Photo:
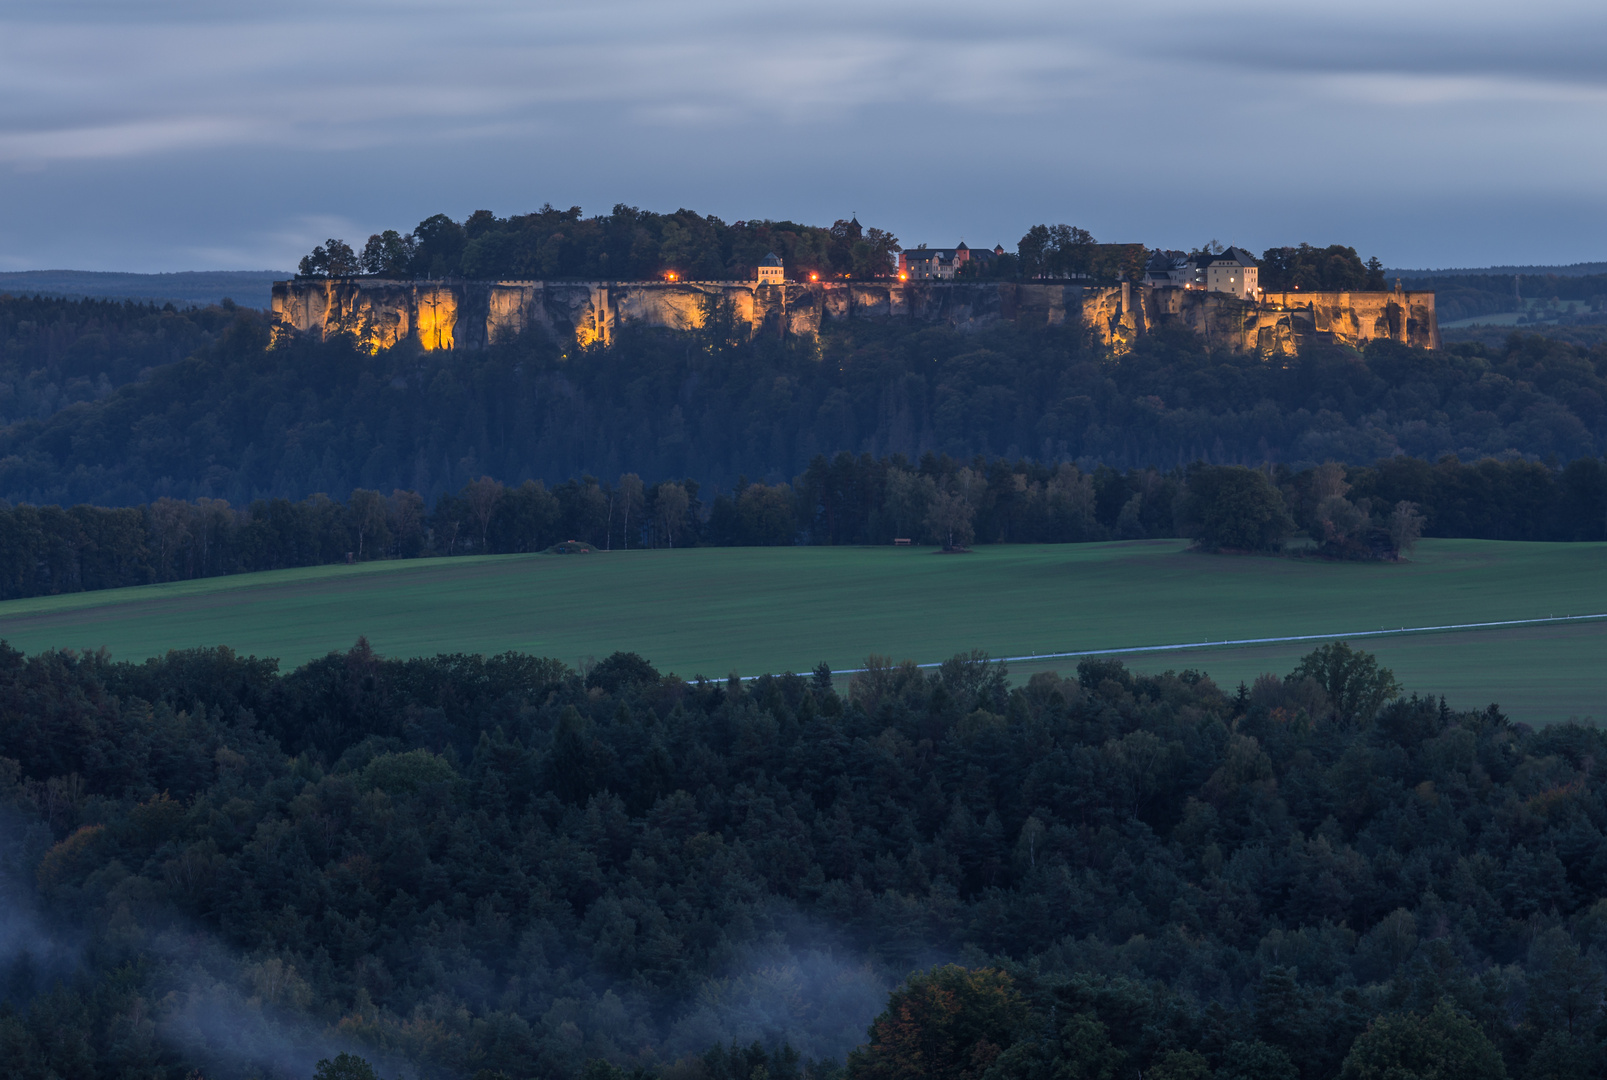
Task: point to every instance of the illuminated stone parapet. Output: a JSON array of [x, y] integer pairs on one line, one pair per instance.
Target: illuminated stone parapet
[[1355, 318], [1280, 323], [473, 314]]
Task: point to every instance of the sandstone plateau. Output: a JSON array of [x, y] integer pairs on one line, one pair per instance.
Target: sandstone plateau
[[473, 314]]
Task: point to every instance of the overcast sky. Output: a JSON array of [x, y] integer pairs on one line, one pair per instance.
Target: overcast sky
[[213, 134]]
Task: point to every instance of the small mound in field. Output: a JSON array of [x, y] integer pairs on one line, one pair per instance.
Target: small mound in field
[[952, 551], [570, 547]]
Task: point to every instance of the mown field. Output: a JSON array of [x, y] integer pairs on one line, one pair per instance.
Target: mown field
[[712, 611]]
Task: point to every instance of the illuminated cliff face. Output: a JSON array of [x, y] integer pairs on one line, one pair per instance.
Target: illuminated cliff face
[[471, 315], [437, 317], [512, 309]]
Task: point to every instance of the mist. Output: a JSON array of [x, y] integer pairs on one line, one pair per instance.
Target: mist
[[243, 1015]]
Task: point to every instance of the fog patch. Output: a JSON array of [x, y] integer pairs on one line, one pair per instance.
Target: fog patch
[[815, 1001], [244, 1019], [33, 953], [238, 1018]]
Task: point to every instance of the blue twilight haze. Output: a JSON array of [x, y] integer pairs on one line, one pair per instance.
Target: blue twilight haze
[[152, 136]]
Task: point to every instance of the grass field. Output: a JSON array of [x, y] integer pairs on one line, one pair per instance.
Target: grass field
[[712, 611]]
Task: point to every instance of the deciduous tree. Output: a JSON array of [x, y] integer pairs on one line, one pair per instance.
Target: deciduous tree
[[1355, 683], [1444, 1045], [950, 1023]]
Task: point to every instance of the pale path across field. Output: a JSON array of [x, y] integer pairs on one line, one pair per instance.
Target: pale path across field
[[714, 611], [1192, 646]]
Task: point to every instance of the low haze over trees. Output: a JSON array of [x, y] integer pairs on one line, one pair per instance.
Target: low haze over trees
[[505, 864]]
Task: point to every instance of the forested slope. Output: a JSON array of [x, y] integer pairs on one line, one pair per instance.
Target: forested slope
[[55, 352], [1569, 297], [239, 421], [504, 864]]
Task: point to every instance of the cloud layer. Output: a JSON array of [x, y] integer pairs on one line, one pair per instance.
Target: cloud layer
[[144, 135]]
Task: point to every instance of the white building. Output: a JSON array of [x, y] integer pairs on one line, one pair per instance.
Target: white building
[[771, 272], [1233, 271]]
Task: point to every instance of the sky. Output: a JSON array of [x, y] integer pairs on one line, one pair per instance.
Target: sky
[[161, 135]]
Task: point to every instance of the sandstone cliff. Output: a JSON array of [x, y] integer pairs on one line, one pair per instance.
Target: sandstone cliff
[[472, 314]]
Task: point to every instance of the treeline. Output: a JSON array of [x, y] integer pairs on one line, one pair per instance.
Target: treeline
[[1335, 268], [238, 421], [1059, 251], [55, 353], [626, 244], [462, 864], [48, 550], [629, 244], [1351, 512]]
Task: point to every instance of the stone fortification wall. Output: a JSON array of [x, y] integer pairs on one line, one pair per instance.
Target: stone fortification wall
[[1355, 318], [472, 314], [1280, 323]]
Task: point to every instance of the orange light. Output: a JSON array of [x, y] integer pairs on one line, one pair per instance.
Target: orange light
[[902, 276], [672, 276], [814, 277]]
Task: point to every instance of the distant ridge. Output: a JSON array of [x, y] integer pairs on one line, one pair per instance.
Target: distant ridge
[[248, 288], [1584, 269]]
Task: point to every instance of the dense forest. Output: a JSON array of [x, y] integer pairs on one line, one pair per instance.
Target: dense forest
[[1372, 511], [238, 421], [54, 352], [462, 866]]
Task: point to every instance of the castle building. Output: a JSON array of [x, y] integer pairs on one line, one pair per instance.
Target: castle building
[[1233, 271], [1170, 270], [771, 272], [941, 264]]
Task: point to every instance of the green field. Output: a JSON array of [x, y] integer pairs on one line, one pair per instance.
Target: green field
[[711, 611]]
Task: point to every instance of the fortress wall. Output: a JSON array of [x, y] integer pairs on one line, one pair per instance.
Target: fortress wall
[[473, 314], [1355, 318]]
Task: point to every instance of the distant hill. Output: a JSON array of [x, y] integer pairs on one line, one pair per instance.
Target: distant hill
[[1571, 270], [1514, 295], [248, 288]]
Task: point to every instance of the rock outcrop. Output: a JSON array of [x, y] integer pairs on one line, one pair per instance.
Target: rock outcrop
[[473, 314]]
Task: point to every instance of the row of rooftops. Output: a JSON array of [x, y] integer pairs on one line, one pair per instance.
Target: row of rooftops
[[940, 264], [1165, 269], [1179, 270], [917, 264]]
